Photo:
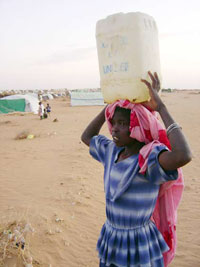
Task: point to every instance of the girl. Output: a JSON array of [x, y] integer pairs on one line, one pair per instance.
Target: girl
[[41, 110], [48, 108], [140, 175]]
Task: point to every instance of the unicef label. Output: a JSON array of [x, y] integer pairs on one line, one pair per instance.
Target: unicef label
[[122, 67]]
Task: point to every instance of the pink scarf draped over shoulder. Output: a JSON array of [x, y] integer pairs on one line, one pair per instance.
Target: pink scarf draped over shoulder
[[146, 128]]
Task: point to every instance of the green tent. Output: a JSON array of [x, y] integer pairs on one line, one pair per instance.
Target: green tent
[[7, 106]]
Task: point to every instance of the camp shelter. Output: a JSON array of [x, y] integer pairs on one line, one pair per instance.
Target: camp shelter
[[12, 105], [22, 103], [55, 95], [47, 96], [86, 98], [33, 94]]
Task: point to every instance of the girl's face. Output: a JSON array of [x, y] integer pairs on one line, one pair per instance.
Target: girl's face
[[120, 130]]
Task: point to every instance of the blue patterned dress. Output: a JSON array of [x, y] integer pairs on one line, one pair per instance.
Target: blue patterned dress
[[128, 237]]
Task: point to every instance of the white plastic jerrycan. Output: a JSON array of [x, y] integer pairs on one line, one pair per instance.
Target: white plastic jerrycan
[[128, 48]]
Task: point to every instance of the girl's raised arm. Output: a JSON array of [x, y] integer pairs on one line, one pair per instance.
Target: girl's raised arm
[[93, 128], [180, 153]]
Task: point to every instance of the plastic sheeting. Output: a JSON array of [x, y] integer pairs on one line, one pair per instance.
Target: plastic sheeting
[[31, 102], [13, 105]]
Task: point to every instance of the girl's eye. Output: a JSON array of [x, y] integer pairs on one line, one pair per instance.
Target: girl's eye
[[122, 123]]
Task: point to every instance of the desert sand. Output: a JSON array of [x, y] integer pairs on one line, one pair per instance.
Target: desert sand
[[51, 190]]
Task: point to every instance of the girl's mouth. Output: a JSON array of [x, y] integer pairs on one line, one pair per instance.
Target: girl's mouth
[[115, 139]]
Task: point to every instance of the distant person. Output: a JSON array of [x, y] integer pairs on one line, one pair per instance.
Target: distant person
[[45, 115], [39, 97], [40, 110], [48, 108]]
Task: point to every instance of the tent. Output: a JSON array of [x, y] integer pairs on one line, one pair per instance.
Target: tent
[[47, 96], [50, 96], [86, 98], [22, 103], [33, 94], [7, 106]]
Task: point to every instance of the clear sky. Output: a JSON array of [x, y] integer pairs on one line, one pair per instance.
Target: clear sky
[[48, 44]]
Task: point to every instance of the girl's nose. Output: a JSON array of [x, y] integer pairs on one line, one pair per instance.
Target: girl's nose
[[115, 128]]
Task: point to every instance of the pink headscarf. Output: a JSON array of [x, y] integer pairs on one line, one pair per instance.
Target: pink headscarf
[[145, 127]]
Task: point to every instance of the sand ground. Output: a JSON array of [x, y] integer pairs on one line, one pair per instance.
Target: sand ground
[[52, 184]]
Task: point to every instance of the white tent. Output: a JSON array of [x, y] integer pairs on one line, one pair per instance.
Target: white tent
[[47, 96], [86, 98], [33, 95], [31, 102]]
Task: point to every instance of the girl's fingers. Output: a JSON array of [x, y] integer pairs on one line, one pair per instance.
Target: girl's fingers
[[147, 83], [157, 81], [156, 76], [152, 77]]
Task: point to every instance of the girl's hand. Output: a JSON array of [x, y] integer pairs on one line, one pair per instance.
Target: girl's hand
[[155, 102]]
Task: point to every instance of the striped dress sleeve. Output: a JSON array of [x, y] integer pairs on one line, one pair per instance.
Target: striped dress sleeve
[[98, 146], [155, 173]]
